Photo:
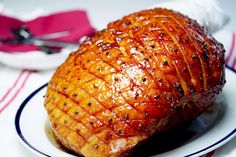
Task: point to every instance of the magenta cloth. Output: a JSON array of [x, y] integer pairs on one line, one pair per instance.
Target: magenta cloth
[[76, 22], [230, 58]]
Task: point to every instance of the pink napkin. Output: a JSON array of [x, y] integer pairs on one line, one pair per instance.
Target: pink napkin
[[227, 38], [76, 22], [230, 59]]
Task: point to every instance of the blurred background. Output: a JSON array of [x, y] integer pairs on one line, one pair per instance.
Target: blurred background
[[101, 12], [22, 73]]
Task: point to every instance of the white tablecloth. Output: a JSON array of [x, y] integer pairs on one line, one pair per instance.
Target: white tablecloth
[[17, 84]]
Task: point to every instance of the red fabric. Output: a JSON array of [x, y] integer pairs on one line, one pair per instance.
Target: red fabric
[[76, 22]]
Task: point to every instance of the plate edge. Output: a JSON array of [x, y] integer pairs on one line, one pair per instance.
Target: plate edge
[[18, 116]]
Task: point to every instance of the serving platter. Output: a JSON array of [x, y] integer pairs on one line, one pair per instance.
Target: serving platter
[[209, 131]]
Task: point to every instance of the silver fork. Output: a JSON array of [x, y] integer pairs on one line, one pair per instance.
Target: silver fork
[[23, 35]]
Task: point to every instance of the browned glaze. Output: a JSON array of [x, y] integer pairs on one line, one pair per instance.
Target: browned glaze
[[165, 141], [142, 74]]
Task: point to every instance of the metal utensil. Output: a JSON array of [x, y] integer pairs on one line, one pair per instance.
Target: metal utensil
[[23, 35]]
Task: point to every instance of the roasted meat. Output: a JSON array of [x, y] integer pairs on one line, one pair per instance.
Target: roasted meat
[[143, 74]]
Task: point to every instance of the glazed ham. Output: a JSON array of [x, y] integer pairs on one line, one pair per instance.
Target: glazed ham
[[143, 74]]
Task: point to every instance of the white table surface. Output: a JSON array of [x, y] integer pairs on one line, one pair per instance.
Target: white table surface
[[100, 12]]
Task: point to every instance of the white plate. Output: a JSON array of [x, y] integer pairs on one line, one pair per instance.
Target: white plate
[[211, 129], [35, 60]]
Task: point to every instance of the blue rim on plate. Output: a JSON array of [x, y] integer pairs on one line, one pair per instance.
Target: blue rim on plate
[[25, 102], [18, 115]]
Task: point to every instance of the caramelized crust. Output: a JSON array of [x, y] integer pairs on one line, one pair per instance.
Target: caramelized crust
[[142, 74]]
